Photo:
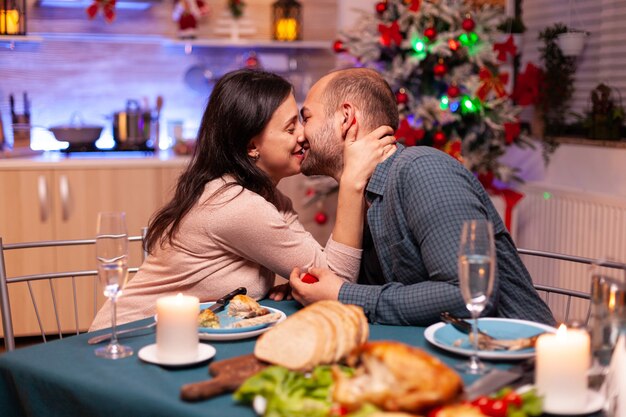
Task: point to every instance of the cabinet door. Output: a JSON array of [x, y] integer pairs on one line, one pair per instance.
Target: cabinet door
[[26, 215], [169, 178]]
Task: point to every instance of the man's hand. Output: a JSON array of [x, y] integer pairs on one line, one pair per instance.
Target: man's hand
[[280, 292], [327, 288]]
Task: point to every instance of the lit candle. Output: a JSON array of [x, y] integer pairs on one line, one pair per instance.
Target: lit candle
[[561, 371], [12, 19], [286, 29], [177, 328]]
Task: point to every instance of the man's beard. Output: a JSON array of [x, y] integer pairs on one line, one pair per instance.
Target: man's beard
[[328, 156]]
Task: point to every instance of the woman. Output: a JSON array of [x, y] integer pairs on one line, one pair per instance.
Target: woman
[[227, 225]]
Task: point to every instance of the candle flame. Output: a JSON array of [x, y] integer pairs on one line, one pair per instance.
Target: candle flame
[[612, 301], [179, 297], [562, 330]]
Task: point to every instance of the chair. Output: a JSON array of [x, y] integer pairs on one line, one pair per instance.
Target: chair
[[5, 307], [568, 295]]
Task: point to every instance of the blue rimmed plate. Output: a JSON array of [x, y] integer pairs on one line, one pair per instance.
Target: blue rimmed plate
[[225, 333], [445, 337]]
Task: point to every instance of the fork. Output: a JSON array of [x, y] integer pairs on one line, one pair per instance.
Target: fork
[[101, 338], [462, 325]]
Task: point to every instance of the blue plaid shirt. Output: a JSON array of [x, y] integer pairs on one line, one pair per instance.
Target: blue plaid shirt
[[420, 198]]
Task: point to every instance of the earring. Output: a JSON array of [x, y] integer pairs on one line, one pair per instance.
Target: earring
[[255, 156]]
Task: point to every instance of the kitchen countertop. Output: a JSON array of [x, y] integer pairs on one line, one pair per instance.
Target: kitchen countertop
[[94, 160]]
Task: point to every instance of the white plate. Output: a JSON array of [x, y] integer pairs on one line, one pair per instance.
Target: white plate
[[595, 403], [243, 334], [149, 354], [444, 335]]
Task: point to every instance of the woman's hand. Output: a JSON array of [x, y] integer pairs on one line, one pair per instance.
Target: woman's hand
[[280, 292], [327, 288], [362, 155]]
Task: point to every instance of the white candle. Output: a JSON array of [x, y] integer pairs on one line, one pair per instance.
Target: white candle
[[561, 371], [177, 328]]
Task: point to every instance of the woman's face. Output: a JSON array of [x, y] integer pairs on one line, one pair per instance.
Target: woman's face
[[280, 145]]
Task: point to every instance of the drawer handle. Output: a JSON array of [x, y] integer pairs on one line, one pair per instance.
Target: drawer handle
[[44, 203], [64, 191]]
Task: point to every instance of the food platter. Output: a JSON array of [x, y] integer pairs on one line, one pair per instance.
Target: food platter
[[224, 334]]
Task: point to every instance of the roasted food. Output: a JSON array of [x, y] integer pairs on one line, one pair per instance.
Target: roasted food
[[245, 307], [207, 318], [396, 377], [268, 318]]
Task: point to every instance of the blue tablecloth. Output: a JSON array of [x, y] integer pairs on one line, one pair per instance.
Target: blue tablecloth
[[65, 378]]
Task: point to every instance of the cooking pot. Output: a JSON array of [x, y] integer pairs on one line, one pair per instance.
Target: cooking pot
[[76, 132], [133, 127]]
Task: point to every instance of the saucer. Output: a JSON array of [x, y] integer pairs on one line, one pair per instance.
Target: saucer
[[149, 354], [595, 402]]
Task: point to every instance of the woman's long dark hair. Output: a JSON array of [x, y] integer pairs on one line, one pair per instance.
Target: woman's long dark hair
[[239, 108]]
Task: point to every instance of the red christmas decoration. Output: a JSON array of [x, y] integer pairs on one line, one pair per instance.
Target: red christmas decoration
[[310, 192], [107, 6], [320, 218], [511, 132], [430, 33], [468, 24], [381, 7], [454, 45], [453, 91], [440, 69], [188, 13], [490, 82], [390, 34], [402, 97], [414, 5], [439, 139], [528, 85], [410, 135], [453, 149], [338, 46], [507, 47]]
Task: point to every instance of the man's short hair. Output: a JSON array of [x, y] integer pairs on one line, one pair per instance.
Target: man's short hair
[[369, 91]]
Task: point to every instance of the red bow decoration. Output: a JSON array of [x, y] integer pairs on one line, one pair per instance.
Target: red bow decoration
[[415, 5], [528, 86], [453, 148], [511, 132], [390, 34], [511, 197], [491, 82], [108, 9], [505, 47], [410, 135]]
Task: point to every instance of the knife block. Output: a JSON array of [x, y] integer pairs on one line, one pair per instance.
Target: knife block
[[21, 132]]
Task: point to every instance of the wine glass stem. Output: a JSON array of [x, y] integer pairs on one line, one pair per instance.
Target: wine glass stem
[[474, 361], [113, 321]]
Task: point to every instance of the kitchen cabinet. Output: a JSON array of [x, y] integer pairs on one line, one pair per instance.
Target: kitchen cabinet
[[52, 201]]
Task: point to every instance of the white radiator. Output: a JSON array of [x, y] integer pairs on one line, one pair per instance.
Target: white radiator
[[573, 223]]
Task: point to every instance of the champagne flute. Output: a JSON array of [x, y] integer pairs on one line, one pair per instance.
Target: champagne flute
[[477, 264], [112, 256]]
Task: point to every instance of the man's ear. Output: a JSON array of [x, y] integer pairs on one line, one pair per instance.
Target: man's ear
[[348, 117]]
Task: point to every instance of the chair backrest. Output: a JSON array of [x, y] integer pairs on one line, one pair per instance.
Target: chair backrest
[[555, 296], [56, 303]]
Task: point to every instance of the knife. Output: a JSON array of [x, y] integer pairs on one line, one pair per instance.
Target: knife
[[499, 378], [219, 304]]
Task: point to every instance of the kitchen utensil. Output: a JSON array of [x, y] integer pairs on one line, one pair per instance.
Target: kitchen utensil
[[461, 324], [77, 132], [498, 378], [219, 304], [157, 129], [101, 338], [228, 375], [132, 128]]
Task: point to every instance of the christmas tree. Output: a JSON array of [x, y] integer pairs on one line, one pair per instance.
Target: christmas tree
[[443, 59]]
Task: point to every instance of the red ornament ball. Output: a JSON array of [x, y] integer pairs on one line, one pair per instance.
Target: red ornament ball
[[468, 24], [430, 33], [402, 97], [321, 217], [453, 91], [338, 46], [440, 69], [439, 138], [381, 7]]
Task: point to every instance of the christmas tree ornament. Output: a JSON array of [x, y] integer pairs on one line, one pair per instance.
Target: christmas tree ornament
[[511, 131], [414, 5], [408, 135], [402, 97], [454, 45], [453, 148], [338, 47], [108, 9], [440, 69], [321, 218], [430, 33], [389, 34], [381, 7], [453, 90], [439, 139], [468, 24], [504, 48], [490, 82], [310, 192]]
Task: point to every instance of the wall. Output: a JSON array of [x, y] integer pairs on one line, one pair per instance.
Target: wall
[[94, 67]]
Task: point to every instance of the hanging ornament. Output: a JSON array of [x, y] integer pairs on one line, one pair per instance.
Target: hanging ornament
[[511, 132], [507, 47], [320, 218], [453, 91], [430, 33], [454, 45], [339, 47], [440, 69], [414, 5], [107, 6], [453, 148], [252, 61], [390, 34], [468, 24], [381, 7], [489, 81], [402, 97], [439, 138]]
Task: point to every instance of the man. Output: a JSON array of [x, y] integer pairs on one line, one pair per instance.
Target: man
[[418, 200]]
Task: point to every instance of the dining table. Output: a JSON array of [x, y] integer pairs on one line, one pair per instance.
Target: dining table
[[65, 378]]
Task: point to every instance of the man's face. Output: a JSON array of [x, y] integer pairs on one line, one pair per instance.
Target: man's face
[[325, 154]]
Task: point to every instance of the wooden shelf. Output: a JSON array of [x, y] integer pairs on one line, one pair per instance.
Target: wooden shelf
[[249, 43]]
